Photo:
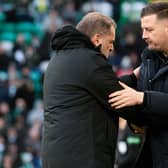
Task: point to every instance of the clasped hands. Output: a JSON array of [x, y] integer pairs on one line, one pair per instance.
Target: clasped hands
[[124, 98]]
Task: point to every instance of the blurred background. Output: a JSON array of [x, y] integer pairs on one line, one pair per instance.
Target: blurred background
[[26, 27]]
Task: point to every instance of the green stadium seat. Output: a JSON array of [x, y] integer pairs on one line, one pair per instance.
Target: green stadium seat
[[2, 17], [8, 36], [24, 27], [32, 28], [7, 27]]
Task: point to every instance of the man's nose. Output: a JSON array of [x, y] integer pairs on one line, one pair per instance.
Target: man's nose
[[112, 48], [144, 35]]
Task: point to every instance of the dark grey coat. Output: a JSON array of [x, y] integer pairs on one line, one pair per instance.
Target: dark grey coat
[[80, 128]]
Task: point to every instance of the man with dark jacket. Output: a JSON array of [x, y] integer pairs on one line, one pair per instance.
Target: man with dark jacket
[[80, 128], [153, 81]]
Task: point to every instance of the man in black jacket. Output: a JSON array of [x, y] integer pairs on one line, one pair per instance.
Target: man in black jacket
[[153, 81], [80, 128]]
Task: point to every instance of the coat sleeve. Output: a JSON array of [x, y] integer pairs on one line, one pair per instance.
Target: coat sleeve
[[156, 103], [103, 81], [130, 80]]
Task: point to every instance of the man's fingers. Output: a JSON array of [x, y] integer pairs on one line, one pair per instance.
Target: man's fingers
[[119, 103], [119, 106], [114, 99], [114, 94], [117, 93]]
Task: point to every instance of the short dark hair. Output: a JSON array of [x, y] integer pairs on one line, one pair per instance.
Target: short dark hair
[[95, 22], [158, 8]]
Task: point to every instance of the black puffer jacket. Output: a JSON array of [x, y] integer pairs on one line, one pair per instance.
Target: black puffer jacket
[[80, 128], [154, 81]]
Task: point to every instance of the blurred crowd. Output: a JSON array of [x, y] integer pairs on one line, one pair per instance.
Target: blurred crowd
[[26, 27]]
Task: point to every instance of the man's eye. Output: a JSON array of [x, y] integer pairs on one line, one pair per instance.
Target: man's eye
[[149, 30]]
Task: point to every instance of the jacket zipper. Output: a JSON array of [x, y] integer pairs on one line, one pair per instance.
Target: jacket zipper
[[148, 75]]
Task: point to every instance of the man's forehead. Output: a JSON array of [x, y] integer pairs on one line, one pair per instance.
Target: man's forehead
[[149, 19]]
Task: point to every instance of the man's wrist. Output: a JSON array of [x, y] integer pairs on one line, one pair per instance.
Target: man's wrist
[[140, 98]]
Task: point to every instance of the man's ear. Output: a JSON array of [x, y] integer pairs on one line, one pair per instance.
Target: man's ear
[[166, 29], [96, 39]]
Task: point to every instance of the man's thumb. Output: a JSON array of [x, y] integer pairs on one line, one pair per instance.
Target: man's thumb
[[123, 85]]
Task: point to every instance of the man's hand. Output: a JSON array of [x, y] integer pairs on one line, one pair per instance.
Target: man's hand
[[125, 97], [137, 72], [136, 129]]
